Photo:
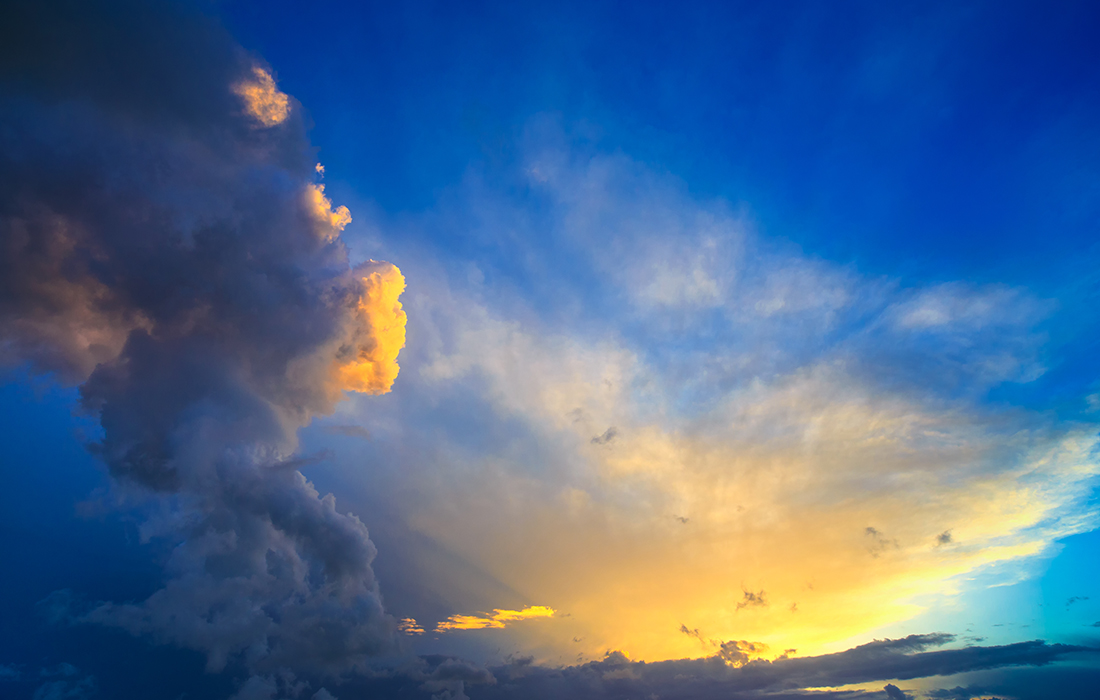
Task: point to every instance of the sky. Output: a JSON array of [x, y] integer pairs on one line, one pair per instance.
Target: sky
[[462, 351]]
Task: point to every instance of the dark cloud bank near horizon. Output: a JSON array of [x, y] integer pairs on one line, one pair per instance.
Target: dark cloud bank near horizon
[[158, 251]]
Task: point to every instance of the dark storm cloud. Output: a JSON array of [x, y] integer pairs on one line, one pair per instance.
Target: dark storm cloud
[[886, 660], [895, 693], [162, 244]]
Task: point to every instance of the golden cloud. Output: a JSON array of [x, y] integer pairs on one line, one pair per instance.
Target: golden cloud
[[262, 99], [410, 626], [498, 619], [372, 366]]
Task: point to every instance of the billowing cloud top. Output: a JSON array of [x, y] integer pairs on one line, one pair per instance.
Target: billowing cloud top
[[164, 243]]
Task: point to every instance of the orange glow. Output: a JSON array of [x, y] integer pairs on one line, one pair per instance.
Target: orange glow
[[262, 100], [410, 626], [374, 367], [497, 620]]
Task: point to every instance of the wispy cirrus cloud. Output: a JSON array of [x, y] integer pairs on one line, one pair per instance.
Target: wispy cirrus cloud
[[810, 422]]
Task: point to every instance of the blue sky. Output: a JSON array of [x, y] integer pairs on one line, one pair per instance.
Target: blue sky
[[729, 330]]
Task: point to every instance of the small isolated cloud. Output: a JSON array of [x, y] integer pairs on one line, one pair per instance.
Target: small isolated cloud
[[410, 626], [1076, 599], [880, 543], [9, 672], [608, 435], [750, 599], [692, 632], [497, 620], [943, 538]]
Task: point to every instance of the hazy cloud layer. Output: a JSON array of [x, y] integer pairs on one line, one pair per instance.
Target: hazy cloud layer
[[796, 430]]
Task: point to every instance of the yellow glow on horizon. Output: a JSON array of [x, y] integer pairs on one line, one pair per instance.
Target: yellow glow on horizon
[[802, 514]]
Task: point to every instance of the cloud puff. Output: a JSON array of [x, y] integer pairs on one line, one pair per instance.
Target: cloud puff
[[263, 101], [498, 619], [157, 246]]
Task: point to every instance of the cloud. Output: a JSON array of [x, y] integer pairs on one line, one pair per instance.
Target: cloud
[[607, 436], [371, 366], [739, 652], [783, 430], [752, 600], [263, 101], [157, 247], [498, 619], [448, 679], [714, 677], [331, 221], [894, 693], [410, 626]]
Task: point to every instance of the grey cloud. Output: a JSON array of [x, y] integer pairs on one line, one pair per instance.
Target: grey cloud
[[879, 542], [607, 436], [750, 599], [895, 693], [692, 632], [943, 538], [885, 660], [1076, 599], [157, 245], [448, 680]]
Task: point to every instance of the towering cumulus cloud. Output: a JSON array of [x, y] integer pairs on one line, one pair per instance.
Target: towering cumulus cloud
[[165, 243]]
